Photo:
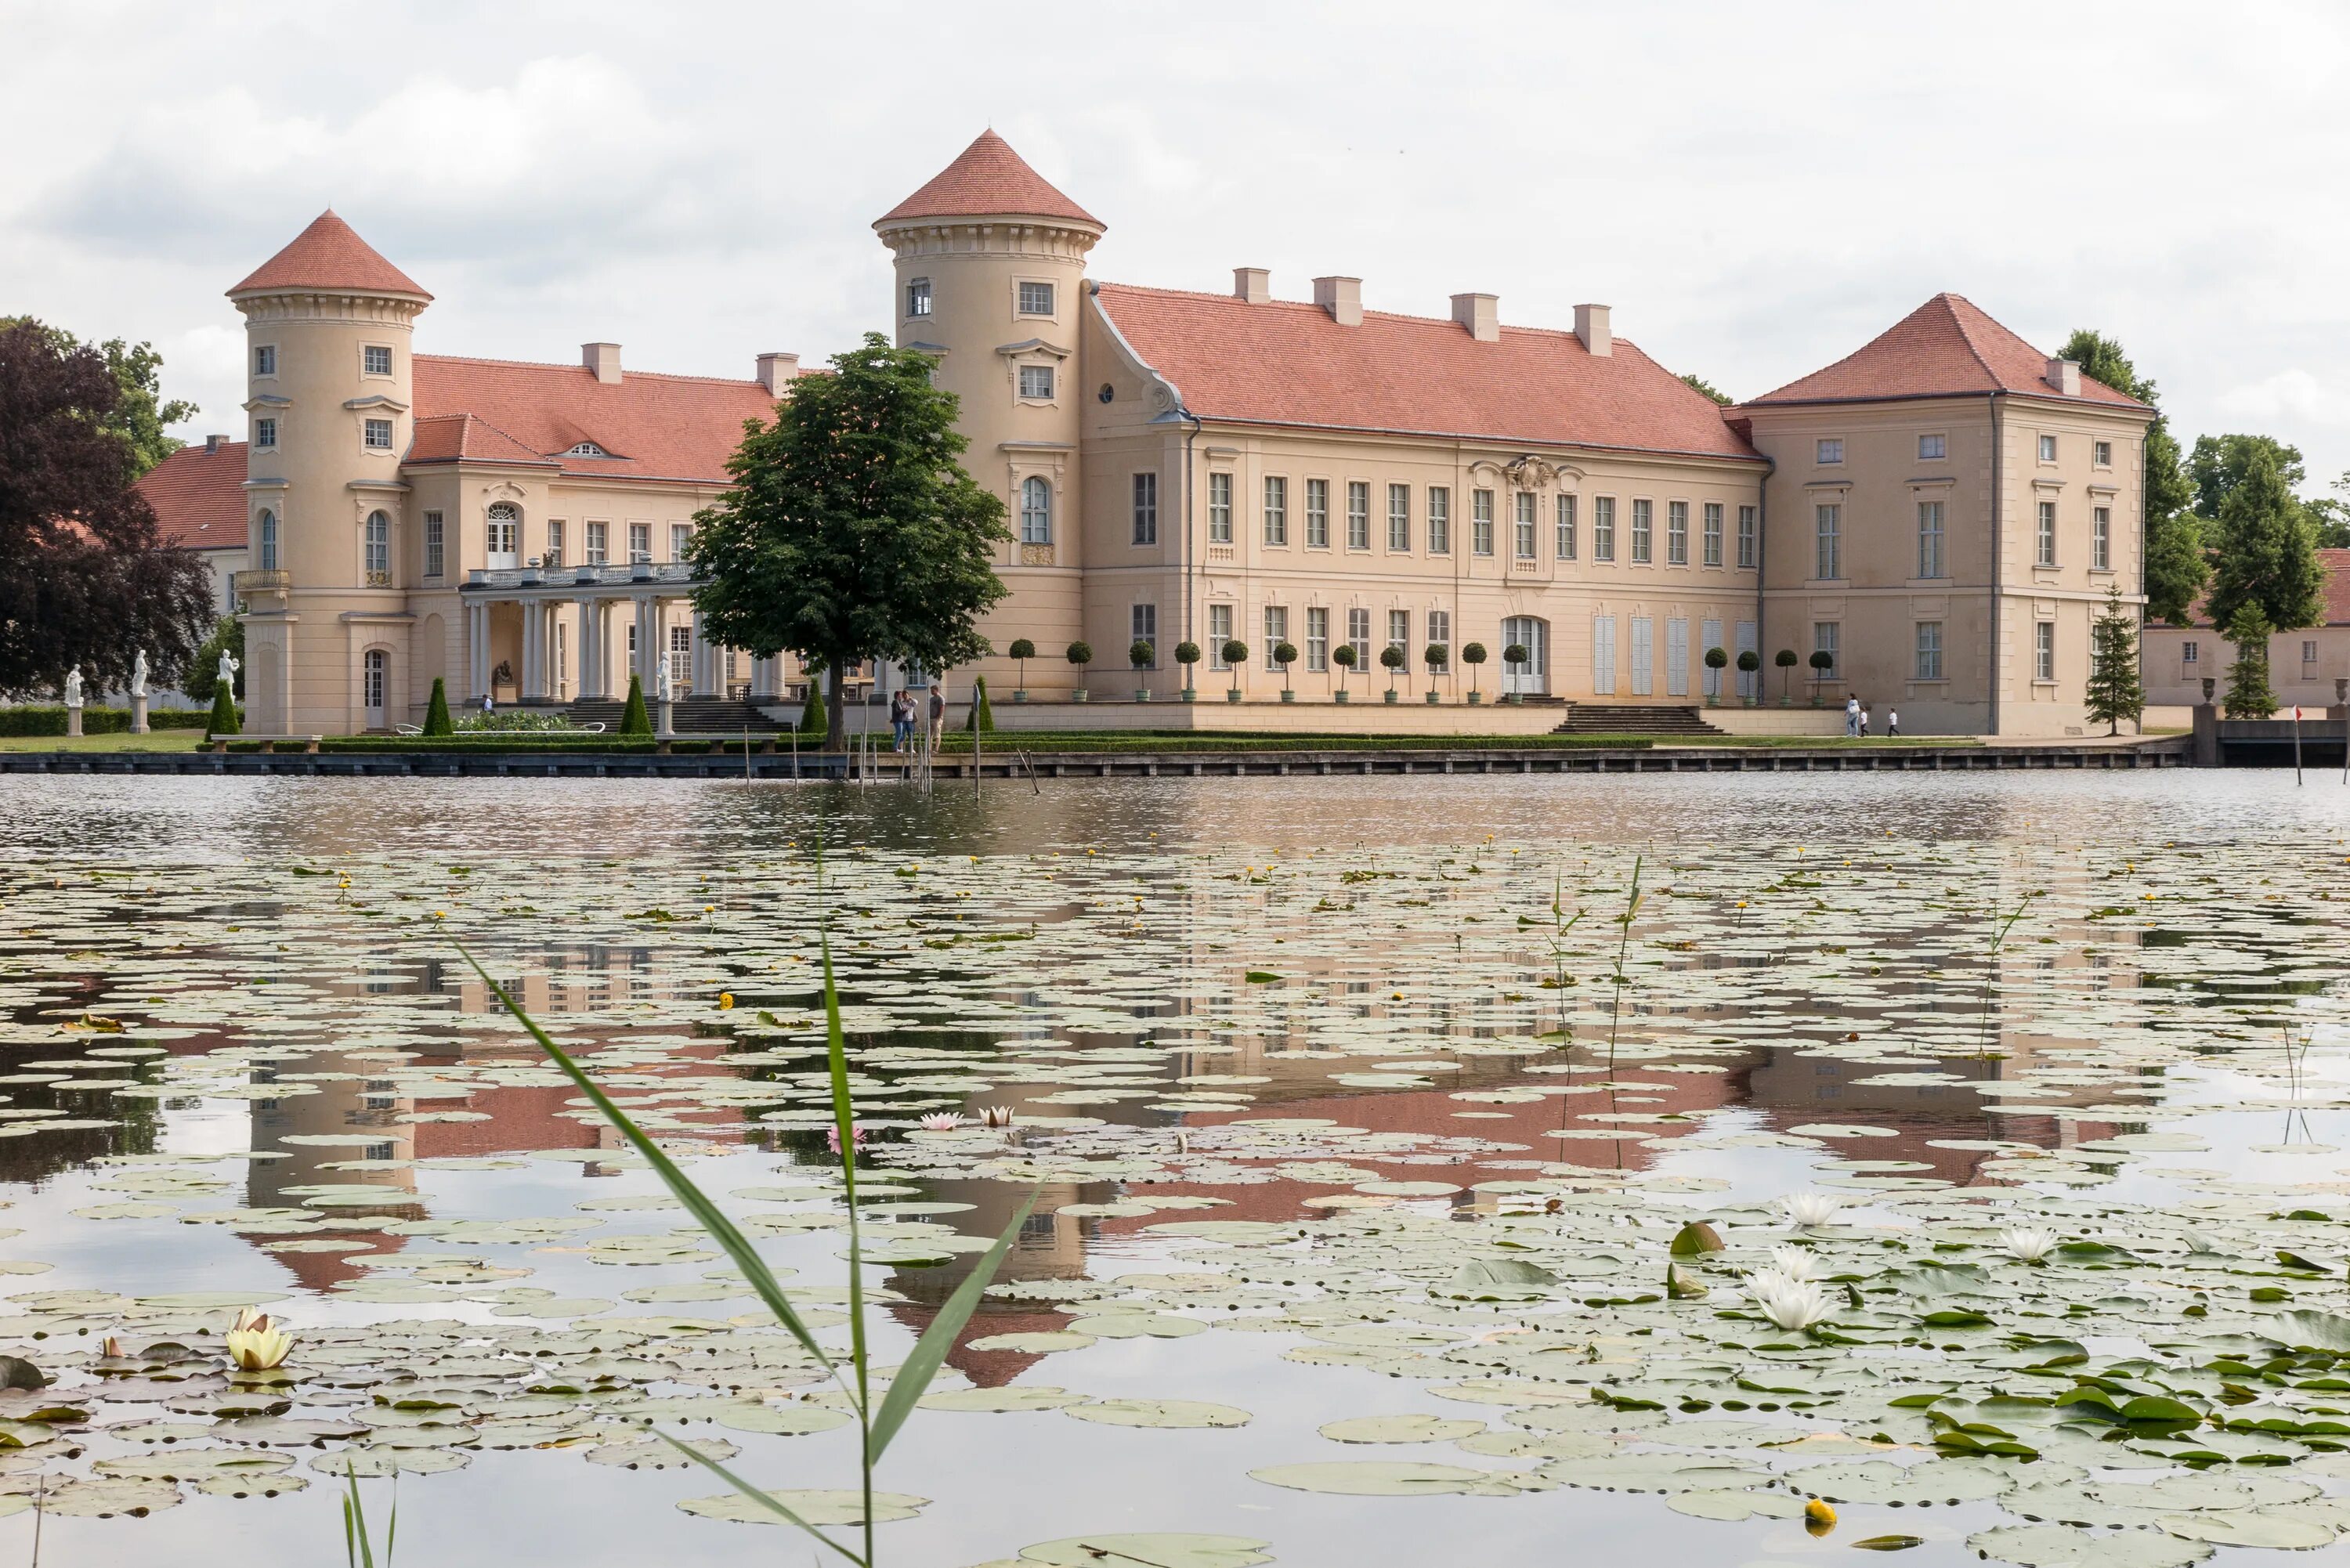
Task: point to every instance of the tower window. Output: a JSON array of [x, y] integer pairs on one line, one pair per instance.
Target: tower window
[[1035, 299], [435, 545], [376, 359], [378, 435], [268, 534], [264, 359], [1036, 511], [1036, 381], [379, 550], [918, 296], [264, 432]]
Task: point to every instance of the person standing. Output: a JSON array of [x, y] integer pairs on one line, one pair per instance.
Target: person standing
[[938, 713], [1852, 715], [901, 719]]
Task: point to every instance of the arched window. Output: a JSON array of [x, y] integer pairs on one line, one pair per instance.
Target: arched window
[[371, 673], [379, 550], [504, 532], [1037, 511], [268, 540]]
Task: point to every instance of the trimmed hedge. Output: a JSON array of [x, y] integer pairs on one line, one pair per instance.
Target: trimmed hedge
[[98, 721], [1254, 740]]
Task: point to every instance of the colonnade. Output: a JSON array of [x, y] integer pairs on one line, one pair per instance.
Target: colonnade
[[587, 666]]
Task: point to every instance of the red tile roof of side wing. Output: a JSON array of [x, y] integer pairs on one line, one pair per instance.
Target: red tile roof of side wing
[[987, 177], [2335, 593], [1288, 363], [655, 427], [1945, 348], [199, 496], [330, 255]]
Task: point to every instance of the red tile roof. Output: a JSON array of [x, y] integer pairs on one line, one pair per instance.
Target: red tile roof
[[654, 426], [330, 255], [1946, 346], [2335, 593], [199, 496], [1288, 363], [988, 177]]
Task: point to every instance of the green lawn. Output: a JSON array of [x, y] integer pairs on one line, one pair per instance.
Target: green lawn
[[160, 740]]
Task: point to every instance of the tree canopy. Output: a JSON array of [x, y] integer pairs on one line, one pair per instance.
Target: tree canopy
[[140, 415], [2263, 546], [2175, 566], [851, 531], [1700, 384], [85, 576]]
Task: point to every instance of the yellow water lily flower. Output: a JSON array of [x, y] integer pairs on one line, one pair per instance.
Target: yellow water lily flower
[[1818, 1517], [258, 1345], [725, 1000]]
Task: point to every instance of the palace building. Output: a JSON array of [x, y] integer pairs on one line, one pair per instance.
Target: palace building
[[1940, 512]]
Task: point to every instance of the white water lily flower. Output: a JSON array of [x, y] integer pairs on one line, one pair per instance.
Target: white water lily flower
[[1794, 1263], [941, 1121], [1808, 1211], [2028, 1242], [1791, 1305], [258, 1345]]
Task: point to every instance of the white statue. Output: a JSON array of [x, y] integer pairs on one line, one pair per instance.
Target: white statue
[[139, 674], [662, 687], [73, 687], [228, 667]]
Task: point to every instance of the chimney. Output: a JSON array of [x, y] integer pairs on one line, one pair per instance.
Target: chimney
[[775, 370], [2064, 375], [604, 359], [1591, 326], [212, 443], [1480, 314], [1342, 297], [1253, 285]]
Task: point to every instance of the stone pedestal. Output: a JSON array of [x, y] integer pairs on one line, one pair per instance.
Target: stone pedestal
[[662, 730], [73, 721], [139, 714], [2207, 735]]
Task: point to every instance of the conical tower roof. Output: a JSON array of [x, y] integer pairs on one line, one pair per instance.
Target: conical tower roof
[[330, 255], [988, 178]]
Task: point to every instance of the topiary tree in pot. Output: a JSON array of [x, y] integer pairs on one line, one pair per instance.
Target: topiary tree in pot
[[1716, 660], [1080, 654], [1343, 656], [1822, 662], [1437, 656], [1391, 658], [1023, 650], [1472, 655], [1749, 663], [1235, 654], [1285, 654], [1786, 661], [1142, 656], [1187, 654], [1516, 655]]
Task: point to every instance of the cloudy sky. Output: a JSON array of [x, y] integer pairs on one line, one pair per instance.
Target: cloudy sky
[[1757, 188]]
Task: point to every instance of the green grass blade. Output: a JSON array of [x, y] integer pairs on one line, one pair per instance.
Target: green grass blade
[[697, 1203], [357, 1548], [930, 1352], [755, 1495], [844, 1120]]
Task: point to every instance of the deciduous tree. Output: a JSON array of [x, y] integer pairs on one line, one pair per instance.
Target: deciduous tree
[[140, 416], [2175, 567], [2265, 549]]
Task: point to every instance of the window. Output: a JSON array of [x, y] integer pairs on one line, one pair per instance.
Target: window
[[1929, 539], [1399, 516], [1276, 632], [2045, 554], [1440, 629], [371, 679], [1276, 510], [435, 546], [1828, 449], [1603, 652], [1826, 636], [2101, 538], [264, 432], [1036, 381], [1439, 520], [264, 359], [1713, 533], [1644, 531], [1566, 540], [1220, 509], [1933, 447], [2101, 453], [378, 435], [1317, 638], [1399, 631], [640, 544], [2309, 653], [2188, 653], [1676, 532], [2044, 650], [1603, 527], [2048, 449], [1827, 521], [1220, 632], [555, 541], [1480, 522], [379, 550], [1036, 511], [584, 449], [375, 360], [501, 529], [1358, 635], [268, 534], [1930, 650], [918, 296], [1750, 530], [1146, 509], [1526, 502], [1142, 624], [1318, 514], [1358, 515], [681, 540], [1035, 299], [597, 553]]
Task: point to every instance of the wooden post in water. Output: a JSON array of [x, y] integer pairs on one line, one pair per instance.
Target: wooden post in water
[[2296, 745]]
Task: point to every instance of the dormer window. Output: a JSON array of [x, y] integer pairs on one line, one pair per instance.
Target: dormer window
[[1036, 381], [587, 448], [1035, 299], [918, 296]]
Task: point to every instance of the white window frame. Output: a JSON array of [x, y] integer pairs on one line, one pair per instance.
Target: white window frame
[[1713, 547], [2043, 552], [1440, 632], [1564, 544], [1603, 528], [265, 432], [1145, 494], [1220, 507], [1358, 514], [265, 532], [918, 298], [1399, 519], [1276, 510], [1480, 522], [367, 358], [2044, 651], [1439, 520], [1220, 632], [1399, 633], [1677, 533], [1142, 625], [640, 544], [1025, 304], [377, 557], [2047, 449], [1036, 509], [1358, 635], [1934, 447], [2188, 653], [1827, 637], [598, 547], [436, 545], [1523, 536], [1926, 651], [2101, 538], [1750, 536], [1828, 541], [1276, 632], [1318, 514], [681, 540], [1932, 561], [1317, 638], [1644, 531], [371, 429], [1827, 451], [555, 529], [1037, 383]]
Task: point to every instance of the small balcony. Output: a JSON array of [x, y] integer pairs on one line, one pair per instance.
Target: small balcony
[[269, 581]]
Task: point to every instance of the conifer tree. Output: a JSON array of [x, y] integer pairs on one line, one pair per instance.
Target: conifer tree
[[224, 720], [635, 720], [436, 712], [2114, 690], [2248, 694]]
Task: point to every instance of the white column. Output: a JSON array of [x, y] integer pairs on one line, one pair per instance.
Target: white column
[[591, 678], [478, 649], [533, 654], [763, 679]]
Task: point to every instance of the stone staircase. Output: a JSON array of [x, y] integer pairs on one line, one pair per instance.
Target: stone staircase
[[1634, 719], [688, 715]]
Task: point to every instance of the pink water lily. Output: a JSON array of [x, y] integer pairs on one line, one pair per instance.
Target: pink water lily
[[941, 1121], [832, 1136]]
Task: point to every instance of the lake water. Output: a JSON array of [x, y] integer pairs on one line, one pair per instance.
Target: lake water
[[1338, 1099]]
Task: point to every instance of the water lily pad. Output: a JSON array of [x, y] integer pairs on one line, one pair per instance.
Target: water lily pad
[[1157, 1413], [1373, 1478], [1160, 1550], [817, 1506], [1400, 1429]]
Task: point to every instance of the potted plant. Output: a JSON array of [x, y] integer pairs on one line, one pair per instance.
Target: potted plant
[[1518, 655], [1716, 660], [1235, 654], [1821, 662], [1749, 663], [1472, 655], [1080, 654], [1187, 654], [1285, 654], [1391, 658], [1437, 657], [1343, 656], [1786, 661], [1023, 651], [1142, 656]]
